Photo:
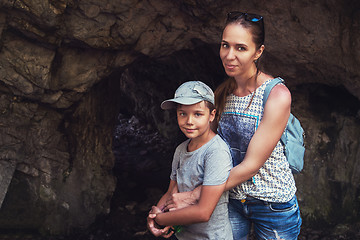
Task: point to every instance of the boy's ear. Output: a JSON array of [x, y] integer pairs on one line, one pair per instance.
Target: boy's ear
[[212, 115]]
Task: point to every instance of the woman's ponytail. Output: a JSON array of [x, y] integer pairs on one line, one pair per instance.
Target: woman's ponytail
[[221, 93]]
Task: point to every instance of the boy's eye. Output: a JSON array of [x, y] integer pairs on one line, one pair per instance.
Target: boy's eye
[[198, 114]]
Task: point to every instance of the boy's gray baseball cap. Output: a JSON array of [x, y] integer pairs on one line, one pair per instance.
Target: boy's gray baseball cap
[[189, 93]]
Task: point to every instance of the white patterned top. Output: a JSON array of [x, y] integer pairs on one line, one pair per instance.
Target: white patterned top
[[274, 182]]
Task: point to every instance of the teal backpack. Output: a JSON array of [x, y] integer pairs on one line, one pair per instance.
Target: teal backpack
[[293, 136]]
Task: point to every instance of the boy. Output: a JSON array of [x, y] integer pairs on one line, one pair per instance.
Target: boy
[[204, 159]]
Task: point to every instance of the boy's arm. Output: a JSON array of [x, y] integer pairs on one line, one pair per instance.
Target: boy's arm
[[200, 212], [154, 229]]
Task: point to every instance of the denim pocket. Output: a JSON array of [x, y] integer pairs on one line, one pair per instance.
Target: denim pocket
[[237, 130], [283, 207]]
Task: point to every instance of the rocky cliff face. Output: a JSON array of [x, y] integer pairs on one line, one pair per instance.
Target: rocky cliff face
[[67, 67]]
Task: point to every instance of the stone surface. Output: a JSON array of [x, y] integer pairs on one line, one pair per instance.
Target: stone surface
[[67, 68], [7, 168]]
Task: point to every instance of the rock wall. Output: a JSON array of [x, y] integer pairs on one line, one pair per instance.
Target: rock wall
[[67, 67]]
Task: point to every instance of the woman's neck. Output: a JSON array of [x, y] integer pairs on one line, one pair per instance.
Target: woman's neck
[[246, 83]]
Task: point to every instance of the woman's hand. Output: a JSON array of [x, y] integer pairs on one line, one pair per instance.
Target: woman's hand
[[182, 200], [154, 228]]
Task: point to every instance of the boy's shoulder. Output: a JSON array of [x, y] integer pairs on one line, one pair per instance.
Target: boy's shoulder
[[219, 140], [217, 144], [218, 152], [214, 144], [183, 145]]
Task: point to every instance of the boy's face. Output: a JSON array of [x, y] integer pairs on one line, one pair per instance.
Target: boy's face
[[194, 120]]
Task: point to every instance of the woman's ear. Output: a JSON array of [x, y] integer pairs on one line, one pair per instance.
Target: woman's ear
[[259, 52]]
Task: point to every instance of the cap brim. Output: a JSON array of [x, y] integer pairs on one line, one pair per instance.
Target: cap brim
[[171, 103]]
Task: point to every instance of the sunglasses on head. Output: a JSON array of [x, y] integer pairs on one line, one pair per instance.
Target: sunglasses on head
[[233, 16]]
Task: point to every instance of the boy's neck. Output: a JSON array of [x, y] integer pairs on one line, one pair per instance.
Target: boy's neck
[[196, 143]]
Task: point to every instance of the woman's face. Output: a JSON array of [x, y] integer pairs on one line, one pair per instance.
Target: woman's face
[[238, 51]]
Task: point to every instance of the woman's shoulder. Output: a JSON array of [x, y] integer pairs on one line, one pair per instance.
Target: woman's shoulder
[[279, 90], [279, 97]]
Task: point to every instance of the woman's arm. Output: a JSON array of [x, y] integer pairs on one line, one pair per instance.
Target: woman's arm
[[171, 190], [199, 212], [179, 200], [273, 123]]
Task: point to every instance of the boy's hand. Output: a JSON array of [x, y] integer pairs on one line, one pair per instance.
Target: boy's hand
[[182, 200], [154, 228], [155, 210]]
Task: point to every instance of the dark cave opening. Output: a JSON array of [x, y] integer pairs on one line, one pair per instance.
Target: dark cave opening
[[142, 147]]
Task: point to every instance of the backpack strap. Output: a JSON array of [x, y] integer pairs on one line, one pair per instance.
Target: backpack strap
[[267, 91], [293, 135], [270, 86]]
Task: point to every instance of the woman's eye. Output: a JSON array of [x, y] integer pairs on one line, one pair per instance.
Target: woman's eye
[[224, 45], [241, 49]]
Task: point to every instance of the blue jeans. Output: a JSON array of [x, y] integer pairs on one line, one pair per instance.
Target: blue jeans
[[270, 220]]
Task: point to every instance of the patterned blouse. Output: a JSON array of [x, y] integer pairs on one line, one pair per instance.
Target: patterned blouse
[[274, 182]]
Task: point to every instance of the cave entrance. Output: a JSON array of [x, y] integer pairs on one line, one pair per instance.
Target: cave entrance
[[145, 137]]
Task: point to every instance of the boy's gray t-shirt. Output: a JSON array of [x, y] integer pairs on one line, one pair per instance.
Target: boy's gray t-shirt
[[208, 165]]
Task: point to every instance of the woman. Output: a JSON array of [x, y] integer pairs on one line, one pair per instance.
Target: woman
[[262, 185]]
